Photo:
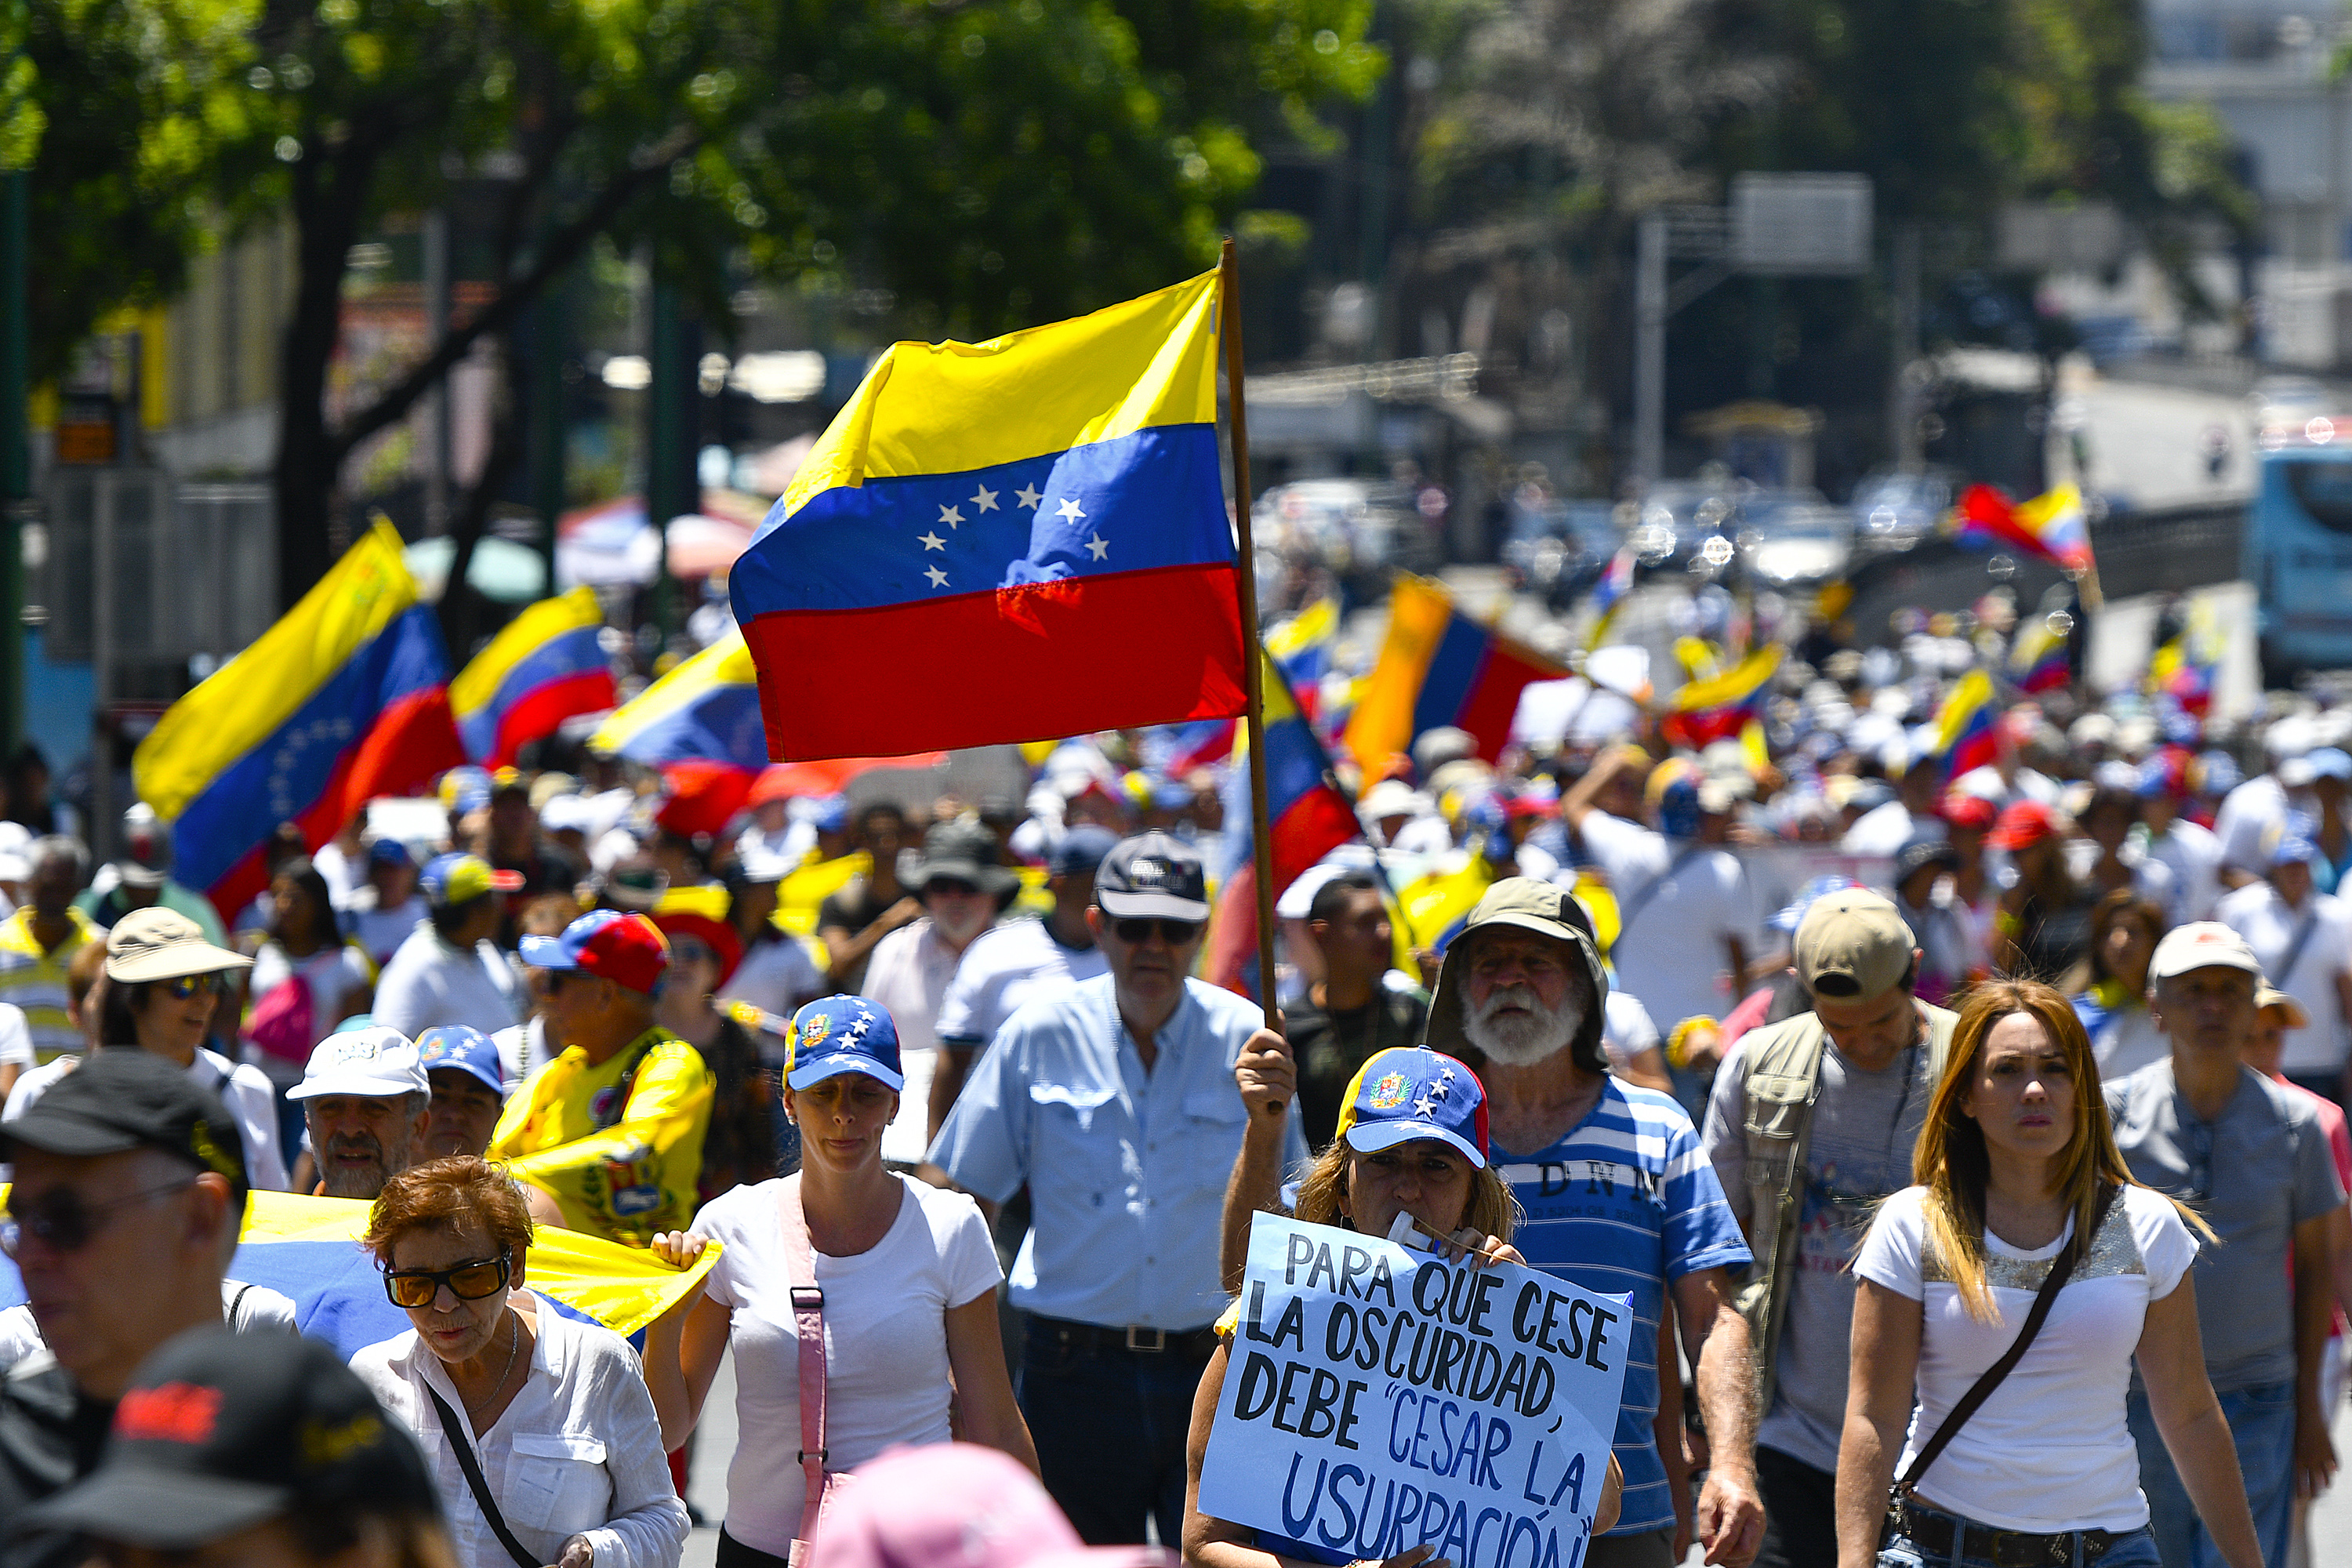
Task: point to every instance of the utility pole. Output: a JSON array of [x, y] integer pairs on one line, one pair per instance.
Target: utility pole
[[437, 424], [673, 400], [1903, 350], [1650, 347]]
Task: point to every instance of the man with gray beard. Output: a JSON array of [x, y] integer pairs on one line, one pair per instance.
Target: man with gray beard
[[1619, 1198], [366, 1102]]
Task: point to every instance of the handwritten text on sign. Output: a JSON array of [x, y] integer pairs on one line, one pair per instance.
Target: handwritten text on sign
[[1376, 1398]]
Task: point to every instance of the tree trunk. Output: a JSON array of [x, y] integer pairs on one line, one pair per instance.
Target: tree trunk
[[326, 210], [461, 607]]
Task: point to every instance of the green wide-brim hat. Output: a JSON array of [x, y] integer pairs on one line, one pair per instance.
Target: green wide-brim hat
[[1524, 904]]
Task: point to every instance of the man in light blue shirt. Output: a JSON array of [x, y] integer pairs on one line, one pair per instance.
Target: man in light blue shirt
[[1114, 1100]]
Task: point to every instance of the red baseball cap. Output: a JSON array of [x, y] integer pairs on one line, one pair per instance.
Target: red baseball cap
[[626, 949], [2026, 822], [1970, 813]]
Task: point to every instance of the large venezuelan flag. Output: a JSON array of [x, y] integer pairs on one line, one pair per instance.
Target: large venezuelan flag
[[346, 699], [1439, 667], [1004, 541], [308, 1248], [707, 707], [547, 665], [1724, 705]]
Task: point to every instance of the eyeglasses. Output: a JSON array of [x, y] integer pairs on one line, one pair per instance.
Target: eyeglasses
[[1175, 933], [64, 1221], [415, 1288], [181, 988], [953, 886]]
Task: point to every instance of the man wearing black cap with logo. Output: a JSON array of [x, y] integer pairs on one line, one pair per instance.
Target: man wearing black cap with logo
[[129, 1193], [227, 1449], [1812, 1123], [1114, 1100]]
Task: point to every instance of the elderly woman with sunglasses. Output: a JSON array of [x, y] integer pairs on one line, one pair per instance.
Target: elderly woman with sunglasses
[[551, 1411], [159, 991]]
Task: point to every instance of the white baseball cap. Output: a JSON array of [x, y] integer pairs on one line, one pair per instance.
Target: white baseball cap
[[2202, 945], [375, 1063]]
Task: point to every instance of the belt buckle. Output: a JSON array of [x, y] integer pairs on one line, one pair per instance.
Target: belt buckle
[[1136, 1340]]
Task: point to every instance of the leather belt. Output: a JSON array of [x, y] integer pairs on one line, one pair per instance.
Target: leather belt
[[1932, 1530], [1185, 1345]]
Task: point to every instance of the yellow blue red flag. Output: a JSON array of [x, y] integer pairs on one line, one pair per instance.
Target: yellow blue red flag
[[346, 699], [1044, 509], [1439, 667], [309, 1248], [545, 666], [707, 707]]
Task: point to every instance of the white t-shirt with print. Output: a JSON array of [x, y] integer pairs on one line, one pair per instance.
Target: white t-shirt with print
[[2049, 1450], [884, 1341]]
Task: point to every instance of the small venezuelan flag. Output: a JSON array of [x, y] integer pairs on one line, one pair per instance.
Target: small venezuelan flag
[[346, 699], [1722, 706], [2038, 659], [1616, 582], [707, 707], [1965, 736], [546, 666], [1006, 541], [1438, 666], [309, 1248], [2052, 526], [1301, 647]]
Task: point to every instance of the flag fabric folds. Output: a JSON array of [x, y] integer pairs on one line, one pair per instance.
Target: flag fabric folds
[[1301, 648], [2052, 526], [1724, 705], [1045, 508], [545, 666], [707, 707], [1306, 814], [346, 699], [1439, 667], [2185, 668], [2037, 659], [1615, 581], [308, 1248], [1966, 737]]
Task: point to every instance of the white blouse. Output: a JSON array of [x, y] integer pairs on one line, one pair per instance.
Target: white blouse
[[578, 1452]]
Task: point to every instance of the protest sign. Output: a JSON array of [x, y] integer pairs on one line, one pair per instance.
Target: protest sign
[[1377, 1397]]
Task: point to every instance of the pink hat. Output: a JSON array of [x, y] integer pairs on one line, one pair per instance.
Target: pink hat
[[957, 1505]]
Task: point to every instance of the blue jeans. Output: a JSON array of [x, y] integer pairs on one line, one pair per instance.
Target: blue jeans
[[2136, 1550], [1109, 1425], [2262, 1424]]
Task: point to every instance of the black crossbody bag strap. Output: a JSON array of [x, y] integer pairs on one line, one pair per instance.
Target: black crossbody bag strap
[[464, 1448], [1981, 1390]]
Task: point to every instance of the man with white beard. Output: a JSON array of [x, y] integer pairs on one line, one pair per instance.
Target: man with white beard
[[1618, 1197]]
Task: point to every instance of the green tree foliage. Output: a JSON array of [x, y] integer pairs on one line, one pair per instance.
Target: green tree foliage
[[993, 164]]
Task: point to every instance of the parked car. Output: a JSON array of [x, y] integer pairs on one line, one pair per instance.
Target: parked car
[[1795, 543], [1361, 529]]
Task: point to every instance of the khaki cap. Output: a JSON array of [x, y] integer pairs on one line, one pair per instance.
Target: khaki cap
[[2202, 945], [2271, 996], [157, 944], [1852, 946], [1527, 905]]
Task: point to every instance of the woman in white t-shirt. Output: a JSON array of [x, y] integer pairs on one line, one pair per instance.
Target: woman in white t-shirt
[[2016, 1154], [910, 1279], [305, 944]]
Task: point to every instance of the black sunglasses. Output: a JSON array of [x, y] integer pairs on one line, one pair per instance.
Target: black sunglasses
[[415, 1288], [1175, 933], [954, 887], [180, 987], [63, 1221]]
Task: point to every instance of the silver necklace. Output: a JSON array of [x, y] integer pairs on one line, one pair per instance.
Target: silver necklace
[[514, 1345]]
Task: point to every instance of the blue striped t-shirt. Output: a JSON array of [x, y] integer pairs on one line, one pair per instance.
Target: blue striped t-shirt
[[1621, 1205]]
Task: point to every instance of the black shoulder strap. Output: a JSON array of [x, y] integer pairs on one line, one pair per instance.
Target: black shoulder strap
[[464, 1448], [1981, 1390]]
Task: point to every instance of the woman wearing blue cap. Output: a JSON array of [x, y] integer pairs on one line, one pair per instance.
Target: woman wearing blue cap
[[1410, 1156], [850, 1294]]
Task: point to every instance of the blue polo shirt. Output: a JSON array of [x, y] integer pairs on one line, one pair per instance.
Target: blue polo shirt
[[1127, 1170], [1623, 1203]]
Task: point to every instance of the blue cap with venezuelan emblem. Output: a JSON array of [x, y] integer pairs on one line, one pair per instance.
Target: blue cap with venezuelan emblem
[[464, 1049], [834, 1035], [1407, 1093]]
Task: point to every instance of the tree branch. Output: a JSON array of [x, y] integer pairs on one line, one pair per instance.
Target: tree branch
[[562, 248]]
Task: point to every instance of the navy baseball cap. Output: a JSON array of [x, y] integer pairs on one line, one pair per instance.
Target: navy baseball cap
[[389, 852], [1152, 874], [834, 1035], [464, 1049], [1409, 1092], [1082, 848]]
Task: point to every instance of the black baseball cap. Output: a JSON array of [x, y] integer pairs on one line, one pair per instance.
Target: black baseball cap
[[220, 1431], [1152, 874], [123, 1099]]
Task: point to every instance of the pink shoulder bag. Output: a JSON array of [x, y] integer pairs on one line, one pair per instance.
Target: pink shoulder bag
[[820, 1485]]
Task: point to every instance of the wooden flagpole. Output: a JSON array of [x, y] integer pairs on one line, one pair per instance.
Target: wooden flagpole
[[1229, 328]]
